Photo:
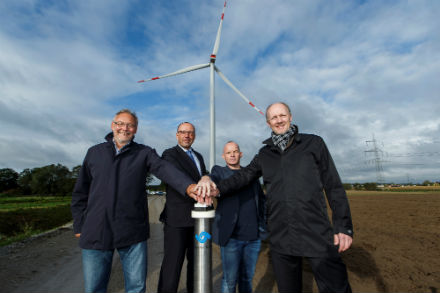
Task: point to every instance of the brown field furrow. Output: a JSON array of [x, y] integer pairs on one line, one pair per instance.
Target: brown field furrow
[[396, 241], [395, 249]]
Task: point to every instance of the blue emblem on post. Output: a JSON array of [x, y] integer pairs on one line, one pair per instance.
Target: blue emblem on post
[[203, 237]]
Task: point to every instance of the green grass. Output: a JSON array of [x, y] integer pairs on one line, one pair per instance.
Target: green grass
[[5, 240], [25, 202], [24, 216]]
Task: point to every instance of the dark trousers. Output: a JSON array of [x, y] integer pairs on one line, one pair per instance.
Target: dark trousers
[[178, 242], [330, 273]]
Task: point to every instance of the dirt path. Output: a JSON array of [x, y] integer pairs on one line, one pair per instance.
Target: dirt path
[[395, 250]]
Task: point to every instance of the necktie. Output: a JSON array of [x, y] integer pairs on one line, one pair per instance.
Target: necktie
[[191, 156], [189, 152]]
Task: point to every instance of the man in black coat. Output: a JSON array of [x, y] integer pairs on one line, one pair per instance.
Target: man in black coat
[[297, 168], [110, 207], [179, 226]]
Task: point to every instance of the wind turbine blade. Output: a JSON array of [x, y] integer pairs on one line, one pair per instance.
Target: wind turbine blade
[[237, 91], [219, 31], [181, 71]]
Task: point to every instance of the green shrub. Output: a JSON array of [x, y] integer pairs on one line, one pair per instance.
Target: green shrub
[[370, 186]]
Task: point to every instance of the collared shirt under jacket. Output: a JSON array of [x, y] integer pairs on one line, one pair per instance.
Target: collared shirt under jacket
[[109, 201]]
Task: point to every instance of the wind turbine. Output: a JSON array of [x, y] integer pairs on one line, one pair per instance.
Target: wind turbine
[[213, 68]]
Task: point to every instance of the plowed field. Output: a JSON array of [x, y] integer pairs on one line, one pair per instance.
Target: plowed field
[[396, 245], [395, 249]]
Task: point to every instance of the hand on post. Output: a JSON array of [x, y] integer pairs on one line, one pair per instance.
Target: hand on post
[[206, 190], [214, 191], [204, 186], [194, 192]]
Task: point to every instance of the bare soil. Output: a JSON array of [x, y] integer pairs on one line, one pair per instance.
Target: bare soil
[[395, 249]]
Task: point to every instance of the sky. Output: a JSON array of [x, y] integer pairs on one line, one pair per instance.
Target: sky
[[363, 75]]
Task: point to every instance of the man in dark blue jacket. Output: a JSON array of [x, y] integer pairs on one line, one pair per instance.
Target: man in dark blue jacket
[[239, 225], [110, 207]]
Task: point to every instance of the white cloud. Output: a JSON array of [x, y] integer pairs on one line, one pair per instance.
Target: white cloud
[[348, 69]]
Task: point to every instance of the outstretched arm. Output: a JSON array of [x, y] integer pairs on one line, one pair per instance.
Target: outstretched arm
[[241, 178]]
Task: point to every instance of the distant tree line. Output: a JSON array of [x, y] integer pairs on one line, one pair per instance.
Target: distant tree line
[[54, 180], [375, 186], [428, 183], [359, 186], [58, 180]]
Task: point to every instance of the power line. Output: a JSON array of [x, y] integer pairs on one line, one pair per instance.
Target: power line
[[422, 154], [377, 160]]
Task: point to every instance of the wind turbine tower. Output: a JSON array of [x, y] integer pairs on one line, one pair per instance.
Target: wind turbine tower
[[213, 69]]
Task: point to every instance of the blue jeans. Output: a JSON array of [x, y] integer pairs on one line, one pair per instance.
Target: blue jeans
[[239, 259], [97, 265]]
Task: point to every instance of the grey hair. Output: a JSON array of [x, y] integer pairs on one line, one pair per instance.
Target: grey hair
[[185, 123], [128, 111]]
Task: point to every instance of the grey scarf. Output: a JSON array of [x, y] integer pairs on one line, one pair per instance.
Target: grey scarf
[[281, 140]]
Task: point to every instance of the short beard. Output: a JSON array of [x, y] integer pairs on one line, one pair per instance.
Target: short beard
[[122, 141]]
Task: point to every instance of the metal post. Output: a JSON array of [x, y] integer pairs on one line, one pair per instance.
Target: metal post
[[212, 116], [202, 248]]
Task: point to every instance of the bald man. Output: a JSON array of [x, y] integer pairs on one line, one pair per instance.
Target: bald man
[[239, 225]]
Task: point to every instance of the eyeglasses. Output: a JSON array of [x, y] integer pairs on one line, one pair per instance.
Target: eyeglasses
[[121, 124], [184, 132]]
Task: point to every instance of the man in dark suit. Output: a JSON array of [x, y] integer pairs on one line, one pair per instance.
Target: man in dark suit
[[179, 226]]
